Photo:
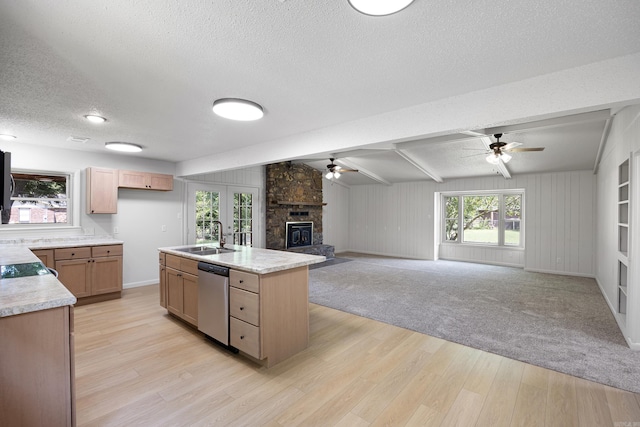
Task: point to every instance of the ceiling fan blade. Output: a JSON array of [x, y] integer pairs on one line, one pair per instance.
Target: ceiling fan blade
[[348, 170], [510, 146], [523, 149]]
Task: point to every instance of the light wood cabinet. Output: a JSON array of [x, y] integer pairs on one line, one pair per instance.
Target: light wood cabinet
[[102, 191], [181, 278], [145, 180], [37, 369], [269, 314], [46, 256], [91, 273]]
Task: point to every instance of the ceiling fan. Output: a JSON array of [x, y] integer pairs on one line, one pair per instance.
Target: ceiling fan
[[500, 150], [334, 170]]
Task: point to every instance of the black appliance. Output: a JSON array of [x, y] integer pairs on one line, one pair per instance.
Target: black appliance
[[6, 186]]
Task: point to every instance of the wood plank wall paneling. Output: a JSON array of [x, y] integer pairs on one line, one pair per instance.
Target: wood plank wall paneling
[[335, 225], [623, 140], [399, 220], [252, 177]]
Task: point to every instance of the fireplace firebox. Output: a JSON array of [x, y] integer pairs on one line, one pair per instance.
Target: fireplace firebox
[[299, 234]]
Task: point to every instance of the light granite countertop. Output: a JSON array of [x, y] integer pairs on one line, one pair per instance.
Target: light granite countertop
[[34, 293], [253, 260]]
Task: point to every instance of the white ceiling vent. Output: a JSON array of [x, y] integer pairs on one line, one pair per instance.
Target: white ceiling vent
[[80, 139]]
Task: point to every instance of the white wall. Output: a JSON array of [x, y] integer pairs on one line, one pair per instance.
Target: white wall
[[399, 220], [141, 214], [335, 215], [623, 140]]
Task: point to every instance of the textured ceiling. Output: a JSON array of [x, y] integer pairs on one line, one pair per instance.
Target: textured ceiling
[[154, 68]]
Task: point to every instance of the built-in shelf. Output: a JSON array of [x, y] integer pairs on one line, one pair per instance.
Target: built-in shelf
[[623, 236]]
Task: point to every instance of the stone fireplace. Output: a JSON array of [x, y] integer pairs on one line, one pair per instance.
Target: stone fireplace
[[294, 196]]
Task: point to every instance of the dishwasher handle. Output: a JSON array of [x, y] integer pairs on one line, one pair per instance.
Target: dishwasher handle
[[214, 269]]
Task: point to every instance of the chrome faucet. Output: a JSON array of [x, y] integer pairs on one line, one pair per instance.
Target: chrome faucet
[[221, 240]]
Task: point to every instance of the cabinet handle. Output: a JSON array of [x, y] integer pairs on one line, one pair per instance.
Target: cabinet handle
[[179, 275], [88, 260], [241, 308], [241, 337], [241, 281], [73, 254], [108, 252]]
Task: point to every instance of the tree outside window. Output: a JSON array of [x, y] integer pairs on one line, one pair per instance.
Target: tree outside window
[[39, 199]]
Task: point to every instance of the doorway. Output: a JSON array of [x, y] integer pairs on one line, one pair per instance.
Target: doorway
[[236, 208]]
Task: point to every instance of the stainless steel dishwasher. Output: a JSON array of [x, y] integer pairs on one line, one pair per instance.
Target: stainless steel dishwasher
[[213, 302]]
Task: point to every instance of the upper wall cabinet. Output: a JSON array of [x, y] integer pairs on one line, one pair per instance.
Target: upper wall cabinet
[[145, 181], [102, 191], [103, 184]]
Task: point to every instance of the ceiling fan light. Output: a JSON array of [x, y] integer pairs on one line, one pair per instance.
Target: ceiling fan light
[[126, 147], [238, 109], [492, 158], [379, 7], [329, 175], [505, 157], [336, 174]]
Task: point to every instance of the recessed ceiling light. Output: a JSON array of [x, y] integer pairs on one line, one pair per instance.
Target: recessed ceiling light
[[123, 146], [7, 137], [379, 7], [95, 119], [237, 109]]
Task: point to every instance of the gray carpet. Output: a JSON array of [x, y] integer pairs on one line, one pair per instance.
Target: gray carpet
[[558, 322]]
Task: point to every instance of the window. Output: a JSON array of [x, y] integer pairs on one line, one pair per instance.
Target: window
[[40, 198], [207, 216], [242, 219], [493, 219]]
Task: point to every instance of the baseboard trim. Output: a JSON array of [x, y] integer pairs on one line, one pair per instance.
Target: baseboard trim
[[635, 346], [632, 345], [561, 273], [501, 264], [139, 284], [358, 251]]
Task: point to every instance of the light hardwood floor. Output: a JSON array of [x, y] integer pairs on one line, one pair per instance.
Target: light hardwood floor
[[136, 365]]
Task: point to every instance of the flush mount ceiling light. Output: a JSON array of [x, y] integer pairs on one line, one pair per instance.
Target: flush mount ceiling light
[[7, 137], [379, 7], [94, 118], [238, 109], [126, 147]]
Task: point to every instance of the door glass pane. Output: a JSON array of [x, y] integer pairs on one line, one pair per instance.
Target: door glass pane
[[481, 219], [242, 219], [207, 211], [512, 212]]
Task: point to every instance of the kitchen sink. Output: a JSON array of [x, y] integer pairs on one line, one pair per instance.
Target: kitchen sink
[[204, 250]]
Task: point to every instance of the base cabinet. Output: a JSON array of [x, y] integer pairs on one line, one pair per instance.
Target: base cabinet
[[181, 278], [36, 368], [91, 273], [268, 314]]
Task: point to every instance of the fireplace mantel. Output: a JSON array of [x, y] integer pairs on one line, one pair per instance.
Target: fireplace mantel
[[279, 202]]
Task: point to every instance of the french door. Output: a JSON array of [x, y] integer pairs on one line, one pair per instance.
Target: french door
[[236, 208]]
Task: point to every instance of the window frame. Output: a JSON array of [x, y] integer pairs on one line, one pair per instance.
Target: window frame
[[501, 194], [71, 196]]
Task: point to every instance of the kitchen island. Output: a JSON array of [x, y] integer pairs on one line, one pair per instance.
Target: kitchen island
[[268, 296], [36, 332]]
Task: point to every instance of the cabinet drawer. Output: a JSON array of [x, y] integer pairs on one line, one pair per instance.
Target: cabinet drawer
[[183, 264], [244, 337], [72, 253], [247, 281], [244, 305], [109, 250]]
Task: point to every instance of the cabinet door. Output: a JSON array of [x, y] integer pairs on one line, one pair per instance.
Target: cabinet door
[[161, 182], [102, 191], [106, 275], [75, 275], [163, 286], [174, 291], [190, 298], [46, 256], [133, 179]]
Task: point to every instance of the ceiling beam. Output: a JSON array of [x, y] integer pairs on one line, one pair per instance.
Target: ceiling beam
[[418, 165], [593, 116], [368, 174], [457, 137], [603, 141]]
